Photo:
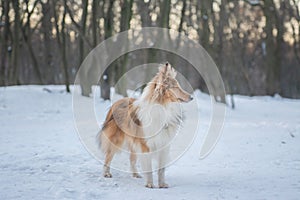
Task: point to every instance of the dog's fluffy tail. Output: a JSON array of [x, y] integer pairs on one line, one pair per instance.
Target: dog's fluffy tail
[[99, 139], [109, 137], [102, 137], [104, 143]]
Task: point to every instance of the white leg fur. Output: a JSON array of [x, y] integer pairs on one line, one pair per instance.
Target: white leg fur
[[133, 165], [161, 178], [162, 160], [146, 161]]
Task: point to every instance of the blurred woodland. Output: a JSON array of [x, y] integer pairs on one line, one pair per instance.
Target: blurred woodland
[[254, 43]]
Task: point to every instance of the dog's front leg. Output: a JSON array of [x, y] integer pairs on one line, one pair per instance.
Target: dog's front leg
[[161, 178], [162, 161], [147, 168]]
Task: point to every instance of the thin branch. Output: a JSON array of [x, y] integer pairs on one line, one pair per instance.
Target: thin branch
[[297, 11], [77, 26], [33, 7]]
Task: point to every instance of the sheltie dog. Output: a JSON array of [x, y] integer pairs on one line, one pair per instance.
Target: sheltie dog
[[145, 126]]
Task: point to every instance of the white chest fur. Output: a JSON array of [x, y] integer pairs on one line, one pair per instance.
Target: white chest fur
[[160, 123]]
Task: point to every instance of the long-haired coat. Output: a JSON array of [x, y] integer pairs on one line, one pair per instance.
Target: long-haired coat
[[145, 126]]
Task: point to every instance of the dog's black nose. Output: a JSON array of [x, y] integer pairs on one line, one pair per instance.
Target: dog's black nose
[[191, 97]]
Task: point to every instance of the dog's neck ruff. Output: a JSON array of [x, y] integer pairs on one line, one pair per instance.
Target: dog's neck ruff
[[160, 122]]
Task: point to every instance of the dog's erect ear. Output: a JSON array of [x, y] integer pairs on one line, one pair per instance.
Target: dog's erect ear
[[172, 73], [160, 77], [163, 68], [167, 70]]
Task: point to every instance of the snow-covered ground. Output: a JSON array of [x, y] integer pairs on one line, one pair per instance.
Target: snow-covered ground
[[41, 156]]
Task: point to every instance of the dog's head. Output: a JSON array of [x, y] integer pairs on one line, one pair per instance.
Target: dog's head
[[165, 88]]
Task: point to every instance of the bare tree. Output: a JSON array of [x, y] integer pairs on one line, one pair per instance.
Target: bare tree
[[14, 73], [272, 57], [126, 14], [296, 14], [61, 41], [164, 15], [182, 16], [95, 21], [108, 30], [46, 29], [108, 19], [144, 12], [204, 14], [83, 29], [27, 35], [4, 49]]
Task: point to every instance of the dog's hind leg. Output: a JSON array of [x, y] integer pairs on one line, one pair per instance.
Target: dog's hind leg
[[106, 168], [111, 142], [133, 165]]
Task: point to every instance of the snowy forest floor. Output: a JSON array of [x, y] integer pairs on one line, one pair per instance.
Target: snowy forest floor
[[41, 156]]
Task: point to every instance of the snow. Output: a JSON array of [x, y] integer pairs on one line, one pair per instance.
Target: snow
[[42, 157]]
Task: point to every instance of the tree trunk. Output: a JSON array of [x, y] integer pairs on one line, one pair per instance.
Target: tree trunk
[[61, 41], [272, 61], [144, 12], [164, 13], [108, 20], [203, 15], [182, 16], [16, 43], [95, 9], [296, 44], [126, 14], [47, 33], [35, 64], [4, 60], [64, 50], [180, 28], [83, 27], [108, 27], [104, 87], [219, 42], [280, 16]]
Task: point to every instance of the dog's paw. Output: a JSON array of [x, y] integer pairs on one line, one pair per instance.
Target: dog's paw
[[163, 185], [107, 175], [149, 185], [136, 175]]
